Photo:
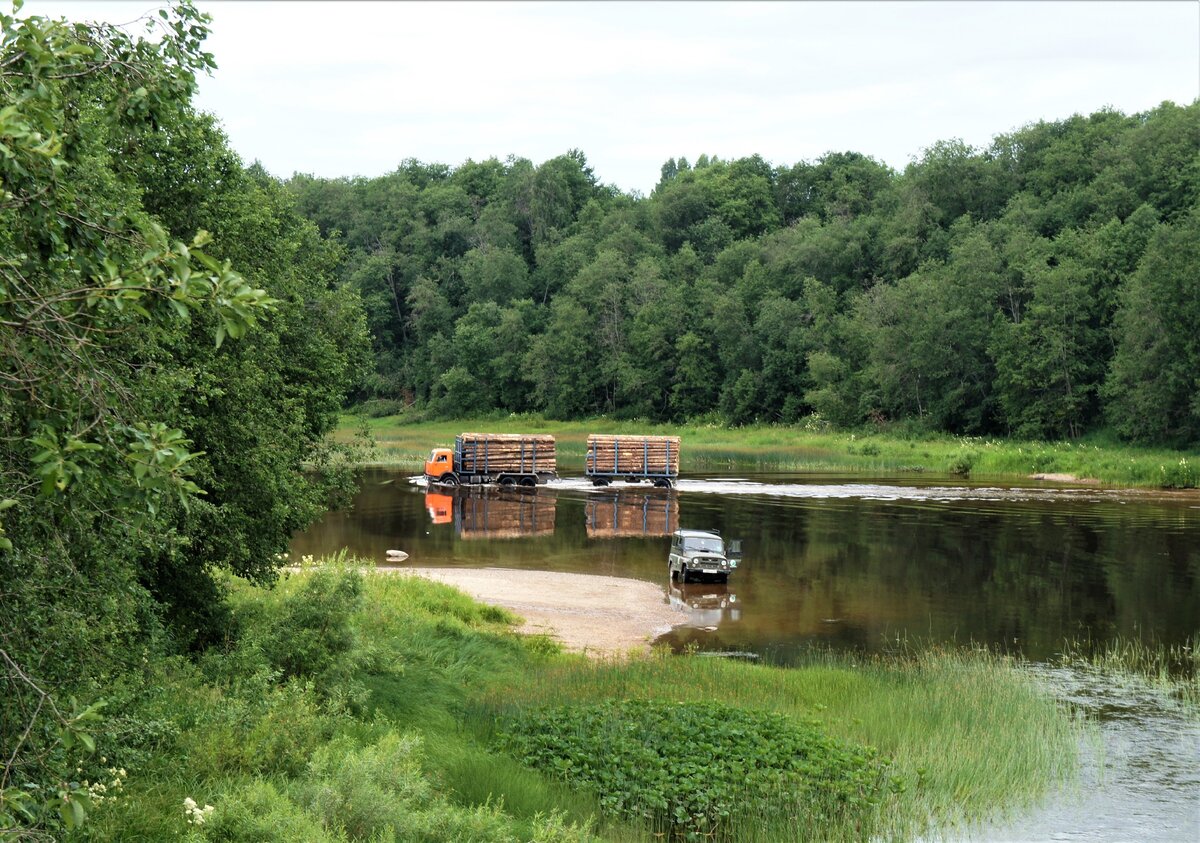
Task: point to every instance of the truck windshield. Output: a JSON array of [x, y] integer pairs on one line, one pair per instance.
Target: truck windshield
[[708, 545]]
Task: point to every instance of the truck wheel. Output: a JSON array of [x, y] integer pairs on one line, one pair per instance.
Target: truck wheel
[[600, 481], [507, 481], [529, 481], [450, 479], [662, 483]]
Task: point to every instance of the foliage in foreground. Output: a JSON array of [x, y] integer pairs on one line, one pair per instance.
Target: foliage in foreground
[[379, 724], [317, 721], [173, 353], [694, 771]]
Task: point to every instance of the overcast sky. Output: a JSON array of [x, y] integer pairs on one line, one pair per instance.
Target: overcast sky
[[339, 89]]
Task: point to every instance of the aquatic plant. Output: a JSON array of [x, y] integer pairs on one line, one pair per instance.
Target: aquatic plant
[[699, 770]]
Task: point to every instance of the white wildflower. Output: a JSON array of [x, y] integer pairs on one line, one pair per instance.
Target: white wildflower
[[194, 813]]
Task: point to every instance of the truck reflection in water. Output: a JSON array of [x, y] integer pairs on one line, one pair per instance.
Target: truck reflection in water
[[707, 604], [627, 513], [483, 513]]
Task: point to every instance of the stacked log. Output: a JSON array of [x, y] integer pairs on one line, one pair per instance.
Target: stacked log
[[519, 453], [633, 455], [495, 517], [626, 516]]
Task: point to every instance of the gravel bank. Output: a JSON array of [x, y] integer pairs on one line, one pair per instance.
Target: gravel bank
[[596, 615]]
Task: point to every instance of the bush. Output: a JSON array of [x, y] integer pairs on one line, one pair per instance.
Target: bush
[[259, 813], [693, 769], [1180, 475], [312, 631], [380, 791], [377, 408], [962, 463]]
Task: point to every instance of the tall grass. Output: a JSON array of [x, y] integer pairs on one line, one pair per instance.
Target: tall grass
[[404, 442], [967, 733], [1173, 668]]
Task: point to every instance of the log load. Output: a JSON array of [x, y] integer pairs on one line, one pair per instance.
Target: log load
[[628, 516], [632, 455], [492, 453], [496, 517]]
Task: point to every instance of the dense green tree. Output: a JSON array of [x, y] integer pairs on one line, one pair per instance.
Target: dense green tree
[[695, 389], [928, 334], [1048, 365], [496, 275], [1153, 385], [840, 185], [562, 362]]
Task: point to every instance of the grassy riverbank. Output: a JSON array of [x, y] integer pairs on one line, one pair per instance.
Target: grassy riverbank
[[406, 442], [369, 707]]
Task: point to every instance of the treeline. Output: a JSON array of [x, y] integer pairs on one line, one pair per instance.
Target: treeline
[[1042, 287]]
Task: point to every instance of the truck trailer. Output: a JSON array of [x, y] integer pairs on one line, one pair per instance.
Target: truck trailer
[[506, 459], [633, 459]]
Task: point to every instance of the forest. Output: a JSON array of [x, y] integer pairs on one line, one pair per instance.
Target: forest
[[1042, 287]]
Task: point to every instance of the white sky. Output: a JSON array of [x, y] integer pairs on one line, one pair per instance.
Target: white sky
[[339, 89]]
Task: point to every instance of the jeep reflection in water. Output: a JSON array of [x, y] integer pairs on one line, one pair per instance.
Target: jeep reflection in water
[[699, 555]]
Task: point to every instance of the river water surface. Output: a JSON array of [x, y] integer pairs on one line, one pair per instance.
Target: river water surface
[[859, 564]]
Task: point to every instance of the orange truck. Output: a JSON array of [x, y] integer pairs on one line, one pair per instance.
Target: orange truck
[[506, 459]]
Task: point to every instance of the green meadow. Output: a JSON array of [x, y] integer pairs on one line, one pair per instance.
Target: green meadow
[[405, 441]]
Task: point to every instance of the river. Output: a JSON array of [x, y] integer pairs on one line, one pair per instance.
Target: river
[[866, 564]]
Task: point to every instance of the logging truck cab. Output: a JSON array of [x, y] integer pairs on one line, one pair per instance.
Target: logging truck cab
[[701, 555], [503, 459], [439, 464]]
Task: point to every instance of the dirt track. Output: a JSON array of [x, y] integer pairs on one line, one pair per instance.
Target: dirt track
[[597, 615]]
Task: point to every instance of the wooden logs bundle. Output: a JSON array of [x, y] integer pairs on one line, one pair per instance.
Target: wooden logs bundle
[[506, 452], [492, 517], [633, 455], [623, 516]]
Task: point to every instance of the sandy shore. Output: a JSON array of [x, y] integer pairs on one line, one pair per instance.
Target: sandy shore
[[1066, 478], [596, 615]]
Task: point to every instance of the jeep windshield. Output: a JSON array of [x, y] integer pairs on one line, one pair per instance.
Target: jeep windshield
[[704, 545]]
